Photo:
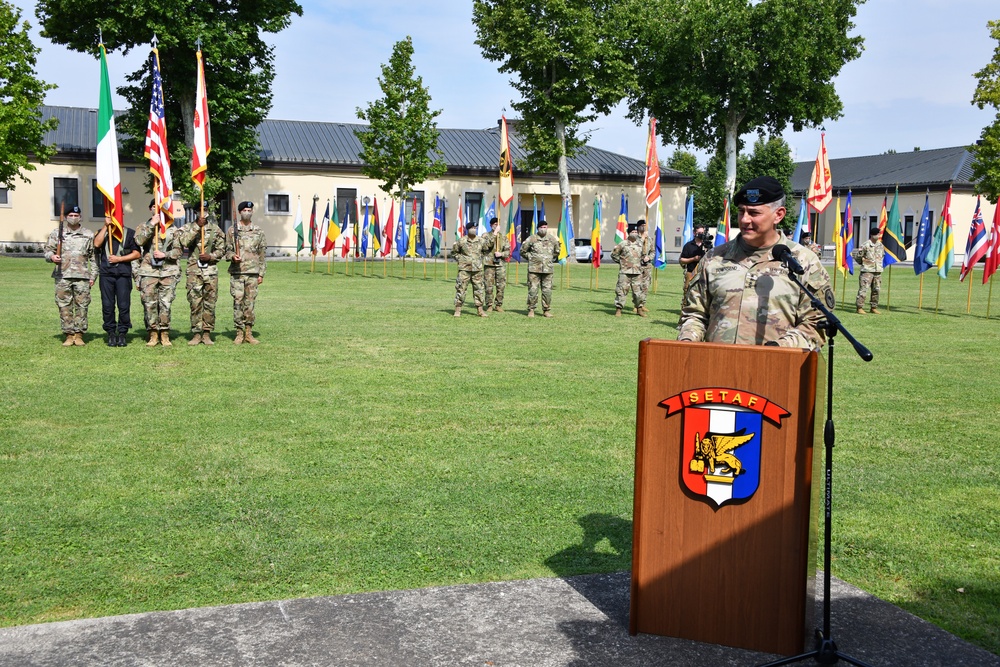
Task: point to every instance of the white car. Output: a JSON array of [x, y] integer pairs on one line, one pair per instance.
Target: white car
[[583, 251]]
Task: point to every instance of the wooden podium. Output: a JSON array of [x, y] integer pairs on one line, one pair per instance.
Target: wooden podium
[[722, 556]]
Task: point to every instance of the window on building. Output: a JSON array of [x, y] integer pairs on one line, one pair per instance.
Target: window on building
[[65, 194], [346, 201], [278, 204], [96, 199], [907, 230], [473, 206], [408, 210], [872, 222], [4, 197]]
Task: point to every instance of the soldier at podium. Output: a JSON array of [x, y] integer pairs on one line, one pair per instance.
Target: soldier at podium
[[741, 295]]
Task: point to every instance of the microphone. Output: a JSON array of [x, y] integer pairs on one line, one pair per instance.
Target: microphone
[[783, 254]]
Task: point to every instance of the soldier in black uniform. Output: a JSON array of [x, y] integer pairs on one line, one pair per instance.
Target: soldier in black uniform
[[114, 264]]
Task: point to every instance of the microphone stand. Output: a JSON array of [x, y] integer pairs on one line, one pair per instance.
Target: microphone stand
[[826, 652]]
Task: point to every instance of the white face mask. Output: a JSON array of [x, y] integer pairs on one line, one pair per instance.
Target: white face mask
[[245, 216], [542, 231]]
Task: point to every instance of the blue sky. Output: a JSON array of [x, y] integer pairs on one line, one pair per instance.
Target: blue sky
[[911, 87]]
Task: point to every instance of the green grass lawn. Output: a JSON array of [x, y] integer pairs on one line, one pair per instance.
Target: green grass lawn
[[372, 442]]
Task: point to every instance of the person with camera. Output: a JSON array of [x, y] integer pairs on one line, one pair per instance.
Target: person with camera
[[691, 254]]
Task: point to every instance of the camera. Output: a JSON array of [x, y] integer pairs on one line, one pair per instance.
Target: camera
[[708, 241]]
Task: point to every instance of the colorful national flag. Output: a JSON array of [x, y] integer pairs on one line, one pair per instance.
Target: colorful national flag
[[821, 182], [332, 227], [356, 231], [459, 222], [313, 231], [892, 236], [565, 233], [323, 227], [402, 237], [156, 151], [541, 214], [883, 217], [838, 241], [364, 231], [942, 251], [436, 228], [202, 130], [659, 244], [109, 179], [345, 227], [975, 246], [723, 231], [388, 235], [299, 231], [534, 214], [620, 233], [802, 224], [489, 214], [375, 231], [993, 247], [421, 243], [847, 234], [595, 236], [652, 167], [506, 166], [514, 233], [687, 234], [923, 242]]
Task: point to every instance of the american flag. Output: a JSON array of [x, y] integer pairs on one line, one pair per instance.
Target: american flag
[[156, 147]]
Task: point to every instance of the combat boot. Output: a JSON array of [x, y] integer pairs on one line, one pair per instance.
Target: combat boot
[[489, 309], [78, 339], [206, 338], [165, 339], [642, 312], [498, 309], [531, 313], [546, 314], [239, 337], [195, 339], [875, 311], [458, 311], [861, 311], [481, 312], [618, 312], [248, 337], [154, 338], [70, 338]]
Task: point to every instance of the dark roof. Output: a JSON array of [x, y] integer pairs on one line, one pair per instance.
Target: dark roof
[[310, 144], [912, 171]]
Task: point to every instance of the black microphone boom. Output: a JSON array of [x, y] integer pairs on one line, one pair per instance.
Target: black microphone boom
[[783, 254]]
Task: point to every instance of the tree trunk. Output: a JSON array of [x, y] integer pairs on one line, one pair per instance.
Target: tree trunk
[[187, 116], [563, 167], [732, 127]]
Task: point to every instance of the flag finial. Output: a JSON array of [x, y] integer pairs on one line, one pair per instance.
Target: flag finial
[[197, 43], [154, 41]]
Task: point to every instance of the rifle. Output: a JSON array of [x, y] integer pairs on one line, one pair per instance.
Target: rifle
[[236, 227], [57, 270]]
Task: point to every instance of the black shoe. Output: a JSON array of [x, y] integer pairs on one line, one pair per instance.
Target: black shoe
[[112, 340], [121, 340]]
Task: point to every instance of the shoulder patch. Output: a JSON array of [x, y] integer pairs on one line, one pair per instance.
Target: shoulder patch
[[829, 298]]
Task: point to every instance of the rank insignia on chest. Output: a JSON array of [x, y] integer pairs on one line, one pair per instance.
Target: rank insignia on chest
[[721, 441]]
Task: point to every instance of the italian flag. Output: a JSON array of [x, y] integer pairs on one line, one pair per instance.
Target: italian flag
[[109, 180]]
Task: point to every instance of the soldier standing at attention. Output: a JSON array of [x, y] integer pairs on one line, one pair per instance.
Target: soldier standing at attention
[[542, 252], [246, 248], [646, 264], [628, 254], [691, 254], [203, 275], [115, 268], [74, 274], [496, 267], [469, 251], [807, 241], [158, 272], [870, 255], [741, 294]]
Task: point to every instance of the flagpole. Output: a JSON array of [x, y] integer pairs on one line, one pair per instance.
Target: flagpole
[[888, 290], [920, 294], [989, 298], [938, 302], [968, 300]]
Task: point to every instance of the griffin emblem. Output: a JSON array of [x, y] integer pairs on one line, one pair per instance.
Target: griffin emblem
[[715, 449]]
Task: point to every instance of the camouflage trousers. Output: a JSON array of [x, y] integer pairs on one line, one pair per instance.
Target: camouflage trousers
[[536, 280], [244, 291], [626, 281], [73, 298], [647, 280], [496, 283], [462, 283], [871, 281], [157, 294], [688, 278], [203, 293]]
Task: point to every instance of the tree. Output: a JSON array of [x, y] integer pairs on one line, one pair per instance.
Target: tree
[[569, 67], [399, 147], [986, 152], [684, 162], [239, 68], [713, 70], [22, 95]]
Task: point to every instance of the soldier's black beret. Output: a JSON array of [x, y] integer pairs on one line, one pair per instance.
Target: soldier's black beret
[[807, 235], [245, 204], [543, 223], [632, 227], [494, 221], [640, 223], [761, 190], [470, 225], [74, 209], [874, 232], [152, 203]]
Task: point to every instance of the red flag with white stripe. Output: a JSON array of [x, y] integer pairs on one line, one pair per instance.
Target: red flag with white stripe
[[202, 131]]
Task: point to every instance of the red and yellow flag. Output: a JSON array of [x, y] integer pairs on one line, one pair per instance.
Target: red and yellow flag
[[821, 183], [652, 167], [506, 166]]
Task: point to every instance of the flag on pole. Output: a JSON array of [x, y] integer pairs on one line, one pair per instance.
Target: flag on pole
[[436, 228], [459, 221], [402, 237], [332, 227], [313, 232], [942, 251], [847, 233], [620, 233], [411, 244], [202, 131], [514, 233], [541, 214], [687, 234], [345, 226], [923, 244], [883, 217], [506, 166], [838, 241], [155, 149], [652, 167], [802, 224], [975, 247], [364, 231], [421, 244], [109, 178], [565, 232], [489, 214], [534, 214], [892, 238], [993, 247], [659, 246], [324, 229], [723, 231], [821, 182], [387, 231], [299, 232], [595, 236]]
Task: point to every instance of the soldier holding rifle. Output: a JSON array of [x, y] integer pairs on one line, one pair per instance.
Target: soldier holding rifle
[[206, 243], [495, 267], [246, 249], [71, 248]]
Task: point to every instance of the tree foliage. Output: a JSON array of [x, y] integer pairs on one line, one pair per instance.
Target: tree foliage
[[399, 147], [986, 152], [712, 70], [21, 96], [239, 68], [568, 64]]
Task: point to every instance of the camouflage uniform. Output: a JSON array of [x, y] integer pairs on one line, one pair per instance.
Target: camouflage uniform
[[158, 284], [74, 276], [691, 249], [244, 276], [495, 271], [870, 255], [542, 252], [742, 295], [629, 256], [469, 253], [203, 280], [646, 265]]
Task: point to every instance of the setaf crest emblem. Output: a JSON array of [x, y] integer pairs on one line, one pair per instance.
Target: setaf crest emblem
[[721, 440]]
